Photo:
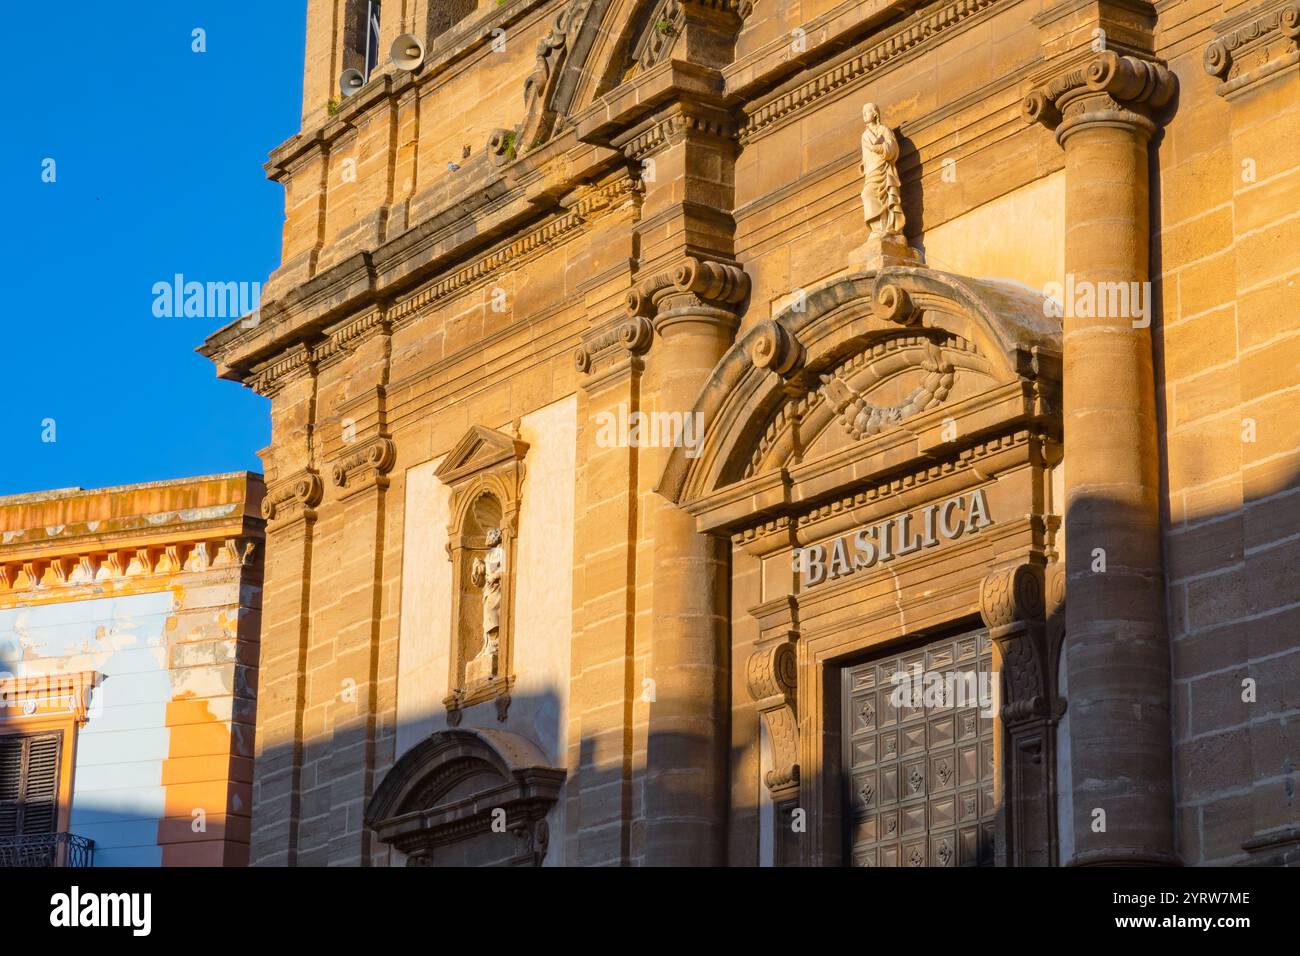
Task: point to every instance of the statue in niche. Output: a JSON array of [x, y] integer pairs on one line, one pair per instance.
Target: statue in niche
[[486, 573], [882, 195]]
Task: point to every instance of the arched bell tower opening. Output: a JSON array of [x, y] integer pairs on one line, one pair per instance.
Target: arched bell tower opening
[[882, 456]]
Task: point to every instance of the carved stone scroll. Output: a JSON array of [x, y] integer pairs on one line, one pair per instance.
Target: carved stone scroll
[[773, 683]]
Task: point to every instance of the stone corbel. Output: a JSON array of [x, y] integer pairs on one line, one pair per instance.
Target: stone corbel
[[234, 552], [1254, 46], [773, 683], [1012, 607], [199, 558], [115, 565], [367, 466], [87, 568], [62, 568], [1109, 88], [294, 497]]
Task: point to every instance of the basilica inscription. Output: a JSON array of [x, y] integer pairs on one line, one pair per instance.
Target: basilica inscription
[[895, 537]]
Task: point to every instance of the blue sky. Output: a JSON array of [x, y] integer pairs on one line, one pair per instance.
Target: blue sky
[[158, 156]]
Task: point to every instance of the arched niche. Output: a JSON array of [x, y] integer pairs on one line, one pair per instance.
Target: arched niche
[[468, 798], [485, 472]]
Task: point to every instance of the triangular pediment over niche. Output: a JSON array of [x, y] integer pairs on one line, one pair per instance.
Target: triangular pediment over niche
[[479, 449]]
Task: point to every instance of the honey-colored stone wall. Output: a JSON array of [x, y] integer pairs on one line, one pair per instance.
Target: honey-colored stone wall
[[680, 198], [1228, 354]]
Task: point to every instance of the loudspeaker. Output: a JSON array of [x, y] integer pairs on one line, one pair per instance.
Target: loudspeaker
[[407, 52], [351, 81]]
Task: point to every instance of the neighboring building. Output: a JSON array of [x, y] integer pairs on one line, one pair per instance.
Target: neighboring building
[[509, 620], [128, 663]]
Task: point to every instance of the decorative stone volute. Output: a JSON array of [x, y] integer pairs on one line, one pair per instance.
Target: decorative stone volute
[[1011, 595], [1108, 89], [622, 338], [1254, 46], [366, 466], [296, 496], [773, 681], [774, 347]]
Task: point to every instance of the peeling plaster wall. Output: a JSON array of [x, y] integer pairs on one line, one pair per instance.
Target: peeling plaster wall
[[543, 601], [163, 762], [118, 792]]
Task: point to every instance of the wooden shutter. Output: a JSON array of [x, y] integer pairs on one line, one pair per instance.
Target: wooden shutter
[[29, 783]]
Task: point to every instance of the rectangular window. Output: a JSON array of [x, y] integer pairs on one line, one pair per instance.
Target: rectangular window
[[372, 38], [29, 783]]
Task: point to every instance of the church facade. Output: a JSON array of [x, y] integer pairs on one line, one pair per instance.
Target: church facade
[[740, 432]]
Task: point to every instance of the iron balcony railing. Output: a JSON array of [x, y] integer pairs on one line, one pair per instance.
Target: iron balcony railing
[[46, 849]]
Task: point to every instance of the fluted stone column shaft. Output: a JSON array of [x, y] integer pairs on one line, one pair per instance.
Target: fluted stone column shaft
[[686, 762], [1116, 645]]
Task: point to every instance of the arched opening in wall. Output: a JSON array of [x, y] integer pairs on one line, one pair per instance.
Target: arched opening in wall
[[468, 798], [445, 14], [918, 730]]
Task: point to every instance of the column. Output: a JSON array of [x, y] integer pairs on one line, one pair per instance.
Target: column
[[686, 761], [1116, 646]]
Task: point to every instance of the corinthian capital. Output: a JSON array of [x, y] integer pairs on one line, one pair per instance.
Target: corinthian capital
[[1109, 89]]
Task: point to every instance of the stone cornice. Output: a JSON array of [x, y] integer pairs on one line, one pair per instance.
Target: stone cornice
[[679, 121], [108, 562], [1253, 46], [269, 377], [315, 347], [803, 515], [894, 47], [65, 526], [590, 206]]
